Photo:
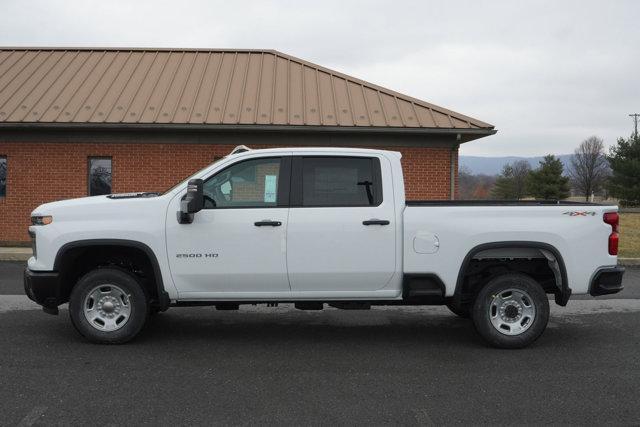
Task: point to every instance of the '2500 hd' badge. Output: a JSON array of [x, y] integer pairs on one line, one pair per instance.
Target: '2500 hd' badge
[[208, 255]]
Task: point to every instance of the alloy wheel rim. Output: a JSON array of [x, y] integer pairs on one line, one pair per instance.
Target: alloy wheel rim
[[512, 311], [107, 307]]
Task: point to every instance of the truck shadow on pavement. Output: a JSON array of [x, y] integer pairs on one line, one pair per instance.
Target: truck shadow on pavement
[[337, 328], [367, 331], [302, 328]]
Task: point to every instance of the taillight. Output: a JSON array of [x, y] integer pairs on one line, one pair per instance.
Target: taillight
[[613, 219]]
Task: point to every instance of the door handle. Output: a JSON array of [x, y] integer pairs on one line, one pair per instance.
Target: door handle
[[267, 223], [375, 222]]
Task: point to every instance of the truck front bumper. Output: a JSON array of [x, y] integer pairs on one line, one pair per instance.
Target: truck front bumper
[[607, 281], [43, 287]]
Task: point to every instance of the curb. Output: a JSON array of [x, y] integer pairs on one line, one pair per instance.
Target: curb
[[15, 254]]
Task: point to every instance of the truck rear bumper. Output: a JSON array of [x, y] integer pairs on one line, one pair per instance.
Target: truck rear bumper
[[43, 287], [607, 281]]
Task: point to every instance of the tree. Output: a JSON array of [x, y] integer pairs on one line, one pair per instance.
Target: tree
[[504, 188], [521, 170], [466, 182], [589, 167], [547, 181], [512, 181], [624, 160], [471, 186]]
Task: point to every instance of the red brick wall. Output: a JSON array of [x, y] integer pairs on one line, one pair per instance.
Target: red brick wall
[[426, 172], [42, 172]]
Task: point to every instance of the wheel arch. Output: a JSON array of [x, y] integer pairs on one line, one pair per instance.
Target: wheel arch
[[69, 253], [560, 272]]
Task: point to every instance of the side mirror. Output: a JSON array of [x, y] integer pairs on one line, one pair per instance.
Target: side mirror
[[192, 202]]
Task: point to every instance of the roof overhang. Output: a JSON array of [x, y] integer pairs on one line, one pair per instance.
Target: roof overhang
[[43, 129]]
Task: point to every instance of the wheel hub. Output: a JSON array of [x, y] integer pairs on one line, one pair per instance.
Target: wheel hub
[[512, 311], [107, 307]]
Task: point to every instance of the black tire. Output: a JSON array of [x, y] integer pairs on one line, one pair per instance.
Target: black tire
[[488, 299], [463, 311], [137, 303]]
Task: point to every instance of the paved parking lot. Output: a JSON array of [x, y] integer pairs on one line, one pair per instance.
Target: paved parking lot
[[283, 366]]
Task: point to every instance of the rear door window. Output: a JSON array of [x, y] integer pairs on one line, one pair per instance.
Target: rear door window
[[340, 181]]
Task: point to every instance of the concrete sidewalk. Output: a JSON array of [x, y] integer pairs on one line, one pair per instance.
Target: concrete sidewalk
[[15, 254], [23, 254]]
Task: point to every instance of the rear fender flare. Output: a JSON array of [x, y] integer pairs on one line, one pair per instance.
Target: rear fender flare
[[556, 262]]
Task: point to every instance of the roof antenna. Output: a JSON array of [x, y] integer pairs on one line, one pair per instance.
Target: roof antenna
[[240, 149]]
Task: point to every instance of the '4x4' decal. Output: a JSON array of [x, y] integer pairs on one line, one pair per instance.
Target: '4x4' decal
[[579, 213]]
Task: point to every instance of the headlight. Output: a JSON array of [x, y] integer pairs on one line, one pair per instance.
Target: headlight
[[41, 220]]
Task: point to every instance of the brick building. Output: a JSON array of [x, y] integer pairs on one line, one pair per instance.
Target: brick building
[[75, 122]]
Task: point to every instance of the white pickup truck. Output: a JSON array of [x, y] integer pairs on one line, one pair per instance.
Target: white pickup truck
[[315, 226]]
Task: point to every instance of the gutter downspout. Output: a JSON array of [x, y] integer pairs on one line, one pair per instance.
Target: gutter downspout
[[452, 167]]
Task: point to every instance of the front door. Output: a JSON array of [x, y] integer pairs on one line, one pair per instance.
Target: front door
[[341, 238], [236, 246]]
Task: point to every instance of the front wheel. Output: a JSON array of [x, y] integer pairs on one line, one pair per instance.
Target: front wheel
[[108, 306], [511, 311]]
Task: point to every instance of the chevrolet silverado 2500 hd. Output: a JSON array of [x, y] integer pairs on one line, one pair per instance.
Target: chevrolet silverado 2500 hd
[[315, 226]]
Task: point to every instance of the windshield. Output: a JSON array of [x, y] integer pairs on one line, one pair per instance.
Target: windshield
[[184, 181]]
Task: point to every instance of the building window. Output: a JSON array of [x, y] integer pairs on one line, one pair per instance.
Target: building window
[[99, 176], [3, 176]]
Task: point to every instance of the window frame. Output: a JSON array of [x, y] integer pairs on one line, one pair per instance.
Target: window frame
[[284, 182], [6, 178], [297, 178], [89, 158]]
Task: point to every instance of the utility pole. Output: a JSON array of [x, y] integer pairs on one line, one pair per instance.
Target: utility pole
[[635, 123]]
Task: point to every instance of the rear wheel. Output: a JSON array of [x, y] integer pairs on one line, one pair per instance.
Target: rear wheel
[[511, 311], [108, 306]]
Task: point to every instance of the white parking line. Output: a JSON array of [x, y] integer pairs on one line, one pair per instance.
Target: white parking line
[[16, 303], [33, 416], [10, 303], [423, 418]]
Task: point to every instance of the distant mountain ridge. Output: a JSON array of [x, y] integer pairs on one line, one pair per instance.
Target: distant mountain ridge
[[493, 165]]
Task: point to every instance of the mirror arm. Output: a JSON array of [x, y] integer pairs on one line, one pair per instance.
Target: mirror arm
[[184, 218]]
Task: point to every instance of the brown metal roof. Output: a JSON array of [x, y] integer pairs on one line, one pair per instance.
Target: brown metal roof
[[211, 87]]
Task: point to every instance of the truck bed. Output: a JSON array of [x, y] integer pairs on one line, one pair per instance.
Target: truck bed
[[445, 231]]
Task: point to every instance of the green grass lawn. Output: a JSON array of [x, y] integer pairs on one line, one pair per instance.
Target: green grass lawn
[[629, 235]]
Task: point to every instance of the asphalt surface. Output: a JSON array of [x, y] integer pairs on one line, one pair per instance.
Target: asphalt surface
[[284, 366]]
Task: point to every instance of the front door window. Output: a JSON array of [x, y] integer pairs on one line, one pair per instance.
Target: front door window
[[248, 184]]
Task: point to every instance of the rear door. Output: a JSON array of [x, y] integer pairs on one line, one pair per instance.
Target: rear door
[[341, 233]]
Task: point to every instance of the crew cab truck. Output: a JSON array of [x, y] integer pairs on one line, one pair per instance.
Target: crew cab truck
[[315, 226]]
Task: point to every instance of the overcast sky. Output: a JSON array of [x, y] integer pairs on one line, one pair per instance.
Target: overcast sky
[[547, 74]]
